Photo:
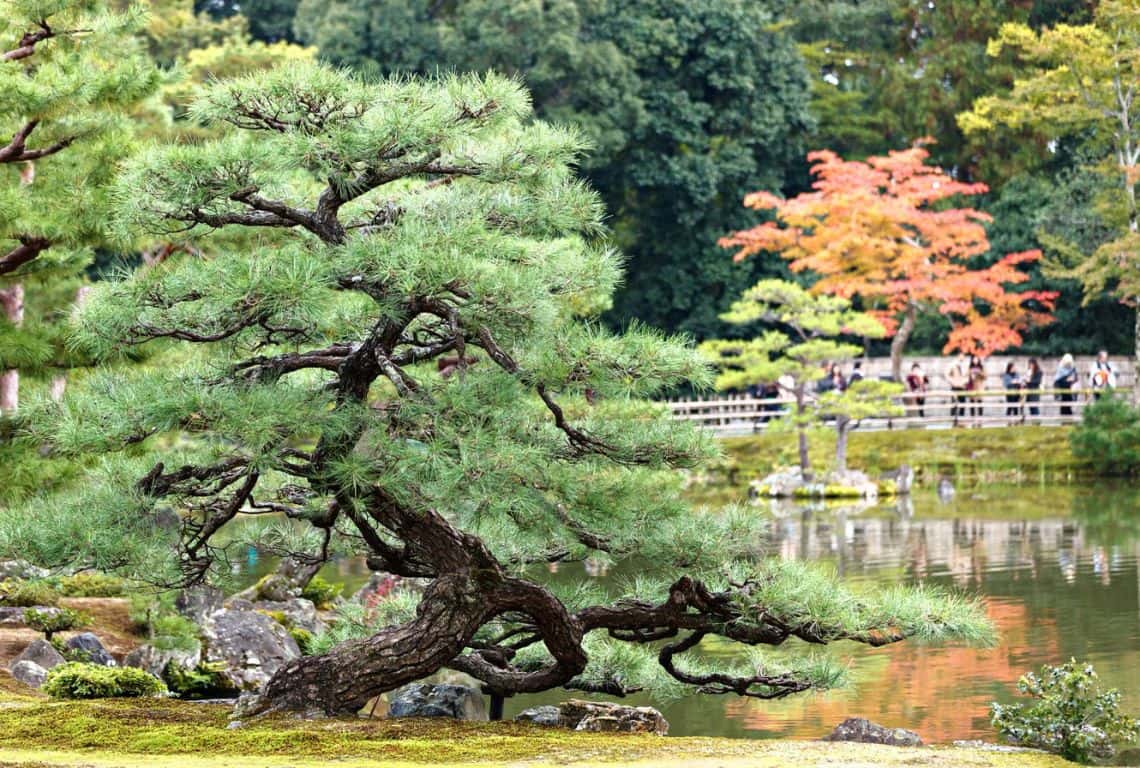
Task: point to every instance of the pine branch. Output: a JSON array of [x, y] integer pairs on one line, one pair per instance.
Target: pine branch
[[28, 250], [16, 151]]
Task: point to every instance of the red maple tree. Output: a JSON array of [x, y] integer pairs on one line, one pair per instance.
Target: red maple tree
[[878, 230]]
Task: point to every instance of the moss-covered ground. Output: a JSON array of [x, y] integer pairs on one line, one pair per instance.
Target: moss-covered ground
[[130, 733], [967, 456]]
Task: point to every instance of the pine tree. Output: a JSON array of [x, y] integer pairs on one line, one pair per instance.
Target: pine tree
[[71, 74], [414, 372]]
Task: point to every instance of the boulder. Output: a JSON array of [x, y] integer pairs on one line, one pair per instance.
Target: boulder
[[41, 653], [866, 732], [86, 646], [601, 716], [28, 673], [250, 645], [298, 612], [199, 602], [548, 715], [155, 660], [425, 700], [902, 478], [10, 615], [21, 569]]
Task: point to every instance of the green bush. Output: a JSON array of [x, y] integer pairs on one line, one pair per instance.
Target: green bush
[[92, 681], [173, 632], [1070, 716], [202, 682], [321, 592], [304, 640], [91, 584], [1108, 437], [14, 592], [59, 620]]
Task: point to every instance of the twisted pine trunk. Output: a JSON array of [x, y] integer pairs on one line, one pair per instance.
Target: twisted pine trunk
[[898, 343]]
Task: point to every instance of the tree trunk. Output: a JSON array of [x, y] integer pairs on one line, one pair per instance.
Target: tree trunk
[[13, 301], [801, 433], [898, 343], [842, 429]]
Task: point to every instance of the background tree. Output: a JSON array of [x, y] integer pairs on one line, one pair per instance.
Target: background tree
[[72, 73], [875, 230], [1083, 81], [797, 361], [679, 128], [420, 220]]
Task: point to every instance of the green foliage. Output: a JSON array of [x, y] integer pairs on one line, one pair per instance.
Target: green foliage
[[304, 639], [321, 592], [75, 680], [1070, 715], [17, 592], [206, 680], [1108, 437], [56, 620], [91, 584], [172, 631]]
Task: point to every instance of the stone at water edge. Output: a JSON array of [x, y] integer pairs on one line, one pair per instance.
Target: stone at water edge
[[549, 716], [250, 645], [604, 717], [199, 602], [155, 660], [87, 645], [28, 673], [42, 654], [426, 700], [860, 730]]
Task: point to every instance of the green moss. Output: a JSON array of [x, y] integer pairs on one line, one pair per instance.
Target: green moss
[[321, 592]]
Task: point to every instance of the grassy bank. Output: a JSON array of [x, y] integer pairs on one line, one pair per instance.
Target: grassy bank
[[968, 456], [122, 733]]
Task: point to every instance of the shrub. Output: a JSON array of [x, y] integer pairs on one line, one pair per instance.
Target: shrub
[[174, 632], [14, 592], [304, 640], [59, 620], [1070, 715], [203, 681], [321, 592], [91, 584], [92, 681], [1109, 437]]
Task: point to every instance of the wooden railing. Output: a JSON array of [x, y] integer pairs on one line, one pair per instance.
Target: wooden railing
[[939, 409]]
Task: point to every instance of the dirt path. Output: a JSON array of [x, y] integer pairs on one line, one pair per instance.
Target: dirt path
[[111, 622]]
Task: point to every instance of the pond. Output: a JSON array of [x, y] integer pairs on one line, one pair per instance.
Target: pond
[[1056, 568]]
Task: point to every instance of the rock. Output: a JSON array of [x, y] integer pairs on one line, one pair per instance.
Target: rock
[[378, 587], [10, 615], [28, 673], [234, 725], [250, 645], [21, 569], [197, 603], [945, 489], [601, 716], [87, 645], [42, 653], [790, 483], [425, 700], [549, 716], [864, 731], [298, 612], [155, 660], [903, 479]]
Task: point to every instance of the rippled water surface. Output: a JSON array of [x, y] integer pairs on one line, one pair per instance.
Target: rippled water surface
[[1055, 566]]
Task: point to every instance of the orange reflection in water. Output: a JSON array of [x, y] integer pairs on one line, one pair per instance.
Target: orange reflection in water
[[943, 693]]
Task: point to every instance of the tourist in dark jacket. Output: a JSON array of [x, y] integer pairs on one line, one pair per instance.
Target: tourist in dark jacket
[[1013, 384], [1033, 386]]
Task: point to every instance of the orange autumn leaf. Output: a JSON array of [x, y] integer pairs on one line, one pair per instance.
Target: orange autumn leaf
[[880, 230]]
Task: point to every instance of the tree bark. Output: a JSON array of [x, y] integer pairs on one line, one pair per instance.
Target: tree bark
[[13, 302], [898, 343], [801, 434], [842, 428]]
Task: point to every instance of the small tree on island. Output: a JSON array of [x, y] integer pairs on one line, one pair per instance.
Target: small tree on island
[[795, 360], [880, 230], [422, 220]]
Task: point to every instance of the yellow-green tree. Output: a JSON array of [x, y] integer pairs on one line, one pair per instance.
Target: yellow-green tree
[[1082, 81]]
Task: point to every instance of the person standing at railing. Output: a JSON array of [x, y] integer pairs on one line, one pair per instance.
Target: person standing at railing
[[1033, 385], [1064, 380], [977, 373], [1102, 376], [958, 378], [1013, 384], [916, 384]]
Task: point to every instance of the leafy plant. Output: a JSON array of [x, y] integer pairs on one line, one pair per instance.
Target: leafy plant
[[173, 632], [1109, 437], [91, 584], [304, 640], [203, 681], [321, 592], [15, 592], [57, 620], [1070, 716], [91, 681]]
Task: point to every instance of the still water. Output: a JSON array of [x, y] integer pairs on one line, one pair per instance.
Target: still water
[[1056, 568]]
